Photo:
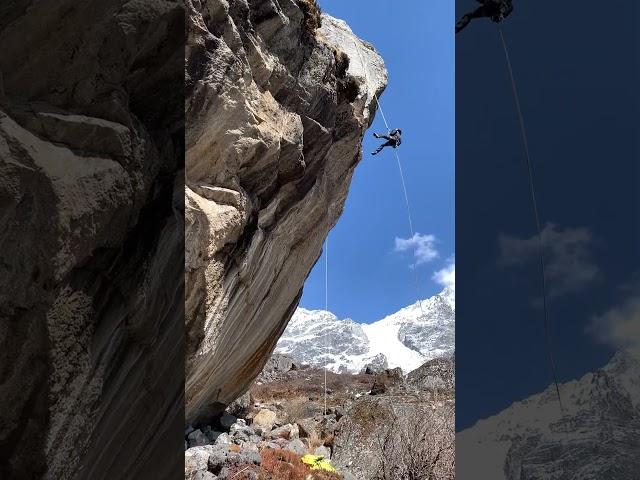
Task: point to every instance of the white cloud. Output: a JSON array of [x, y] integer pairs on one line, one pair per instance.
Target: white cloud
[[447, 275], [569, 261], [619, 327], [423, 247]]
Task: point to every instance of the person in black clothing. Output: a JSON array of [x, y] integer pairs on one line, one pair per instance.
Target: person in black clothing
[[496, 10], [392, 140]]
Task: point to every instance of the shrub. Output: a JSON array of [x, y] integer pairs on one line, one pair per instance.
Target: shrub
[[282, 464], [242, 471], [342, 63], [311, 11], [419, 446]]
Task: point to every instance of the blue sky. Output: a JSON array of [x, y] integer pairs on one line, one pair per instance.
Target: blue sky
[[367, 278], [579, 99]]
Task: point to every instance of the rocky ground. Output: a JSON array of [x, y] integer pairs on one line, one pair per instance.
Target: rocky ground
[[377, 424]]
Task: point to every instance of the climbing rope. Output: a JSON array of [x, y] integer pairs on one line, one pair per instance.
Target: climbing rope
[[536, 215], [404, 186], [406, 199], [326, 308]]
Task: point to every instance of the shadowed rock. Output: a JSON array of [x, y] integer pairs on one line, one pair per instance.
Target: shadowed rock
[[91, 245]]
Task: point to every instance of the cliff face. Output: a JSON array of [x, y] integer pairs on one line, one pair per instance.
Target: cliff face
[[277, 103], [91, 245]]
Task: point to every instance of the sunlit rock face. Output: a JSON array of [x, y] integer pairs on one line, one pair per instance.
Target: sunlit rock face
[[277, 101]]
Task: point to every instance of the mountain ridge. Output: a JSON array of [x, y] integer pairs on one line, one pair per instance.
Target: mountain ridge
[[594, 436], [407, 338]]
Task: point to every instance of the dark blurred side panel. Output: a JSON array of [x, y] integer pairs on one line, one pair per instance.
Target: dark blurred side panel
[[576, 70], [91, 239]]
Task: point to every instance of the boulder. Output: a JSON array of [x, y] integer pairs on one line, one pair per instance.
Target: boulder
[[211, 434], [280, 363], [276, 111], [239, 424], [265, 419], [196, 459], [288, 431], [377, 364], [240, 406], [272, 445], [307, 427], [379, 387], [323, 452], [197, 438], [223, 439], [206, 475], [218, 457], [438, 373], [296, 446], [395, 374], [249, 456], [227, 420]]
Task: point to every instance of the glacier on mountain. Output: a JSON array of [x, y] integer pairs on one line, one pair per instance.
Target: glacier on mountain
[[405, 339]]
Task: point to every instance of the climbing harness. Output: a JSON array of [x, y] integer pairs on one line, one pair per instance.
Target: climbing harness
[[534, 205], [404, 186]]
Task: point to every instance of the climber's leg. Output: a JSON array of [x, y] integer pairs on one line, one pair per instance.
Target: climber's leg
[[390, 143], [378, 135], [477, 13]]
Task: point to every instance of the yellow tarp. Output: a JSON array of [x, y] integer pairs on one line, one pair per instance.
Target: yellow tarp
[[317, 462]]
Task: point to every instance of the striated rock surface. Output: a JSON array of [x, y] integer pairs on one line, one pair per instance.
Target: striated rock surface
[[91, 244], [277, 102]]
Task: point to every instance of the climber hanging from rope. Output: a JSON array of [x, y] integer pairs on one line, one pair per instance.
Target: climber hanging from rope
[[496, 10], [393, 139]]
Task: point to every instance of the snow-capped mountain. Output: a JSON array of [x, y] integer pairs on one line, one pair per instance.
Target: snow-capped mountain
[[596, 435], [405, 339]]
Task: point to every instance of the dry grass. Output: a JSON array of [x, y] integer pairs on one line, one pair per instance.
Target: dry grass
[[298, 408], [242, 472], [368, 415], [328, 440], [296, 389], [282, 464], [314, 441], [323, 475]]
